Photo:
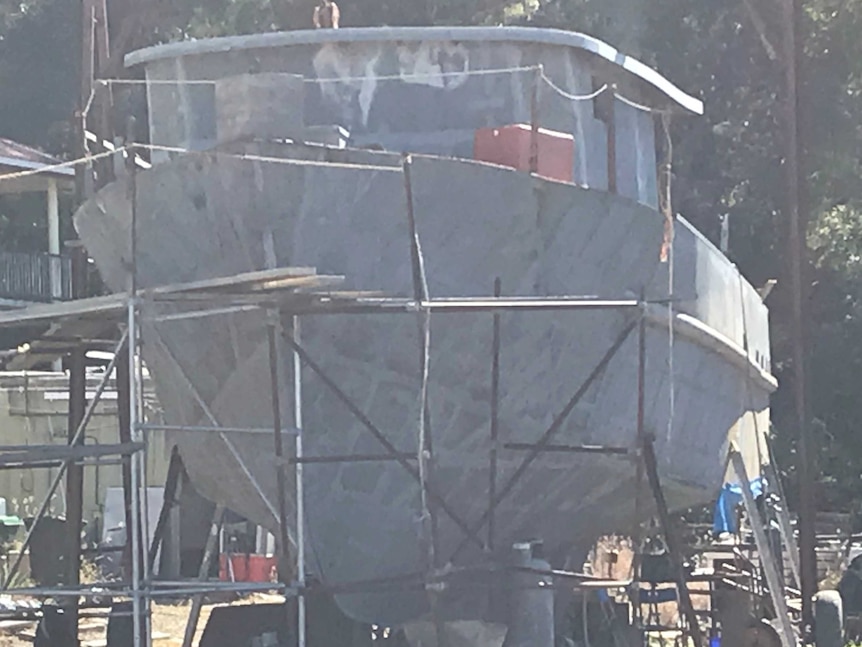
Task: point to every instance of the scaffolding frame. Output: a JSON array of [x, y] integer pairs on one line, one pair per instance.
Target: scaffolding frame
[[296, 293], [276, 302]]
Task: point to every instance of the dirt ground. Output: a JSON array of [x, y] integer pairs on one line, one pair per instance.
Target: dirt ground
[[169, 625]]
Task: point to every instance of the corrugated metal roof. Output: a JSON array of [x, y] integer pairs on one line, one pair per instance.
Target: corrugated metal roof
[[21, 156], [15, 150]]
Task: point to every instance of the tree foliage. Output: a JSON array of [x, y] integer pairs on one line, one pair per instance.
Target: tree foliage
[[728, 163]]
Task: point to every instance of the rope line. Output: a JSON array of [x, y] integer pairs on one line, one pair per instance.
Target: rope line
[[87, 159], [55, 167], [110, 82], [266, 159], [186, 151], [574, 97], [337, 79], [424, 75]]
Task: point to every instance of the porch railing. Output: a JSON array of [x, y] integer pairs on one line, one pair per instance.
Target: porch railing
[[35, 277]]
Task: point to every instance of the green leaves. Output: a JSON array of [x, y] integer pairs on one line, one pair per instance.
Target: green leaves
[[38, 66], [13, 10], [729, 162]]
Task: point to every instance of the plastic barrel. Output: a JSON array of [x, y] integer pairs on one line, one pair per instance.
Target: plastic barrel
[[828, 619]]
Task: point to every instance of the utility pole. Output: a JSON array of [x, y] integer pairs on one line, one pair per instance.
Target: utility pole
[[76, 361], [798, 265], [83, 172], [93, 40]]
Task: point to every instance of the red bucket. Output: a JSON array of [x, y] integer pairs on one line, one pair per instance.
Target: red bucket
[[261, 568], [233, 568]]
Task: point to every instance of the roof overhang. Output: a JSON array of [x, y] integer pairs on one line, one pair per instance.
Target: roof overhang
[[12, 181]]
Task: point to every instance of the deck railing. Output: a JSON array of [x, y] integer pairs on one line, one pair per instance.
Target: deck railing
[[35, 277]]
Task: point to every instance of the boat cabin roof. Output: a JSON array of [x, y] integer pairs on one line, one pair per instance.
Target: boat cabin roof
[[602, 52]]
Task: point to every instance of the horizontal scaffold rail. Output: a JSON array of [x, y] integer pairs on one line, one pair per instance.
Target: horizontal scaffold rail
[[570, 449], [214, 428], [52, 455]]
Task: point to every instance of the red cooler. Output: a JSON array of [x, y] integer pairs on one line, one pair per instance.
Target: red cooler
[[233, 567], [261, 568], [511, 146]]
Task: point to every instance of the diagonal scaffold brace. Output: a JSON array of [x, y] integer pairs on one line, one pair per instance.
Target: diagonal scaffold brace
[[425, 444], [767, 559], [391, 450], [549, 433], [78, 435], [650, 465]]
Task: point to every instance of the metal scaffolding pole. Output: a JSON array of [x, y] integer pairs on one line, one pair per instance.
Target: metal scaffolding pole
[[495, 422], [273, 330], [300, 487], [637, 535], [124, 377], [140, 603], [133, 534]]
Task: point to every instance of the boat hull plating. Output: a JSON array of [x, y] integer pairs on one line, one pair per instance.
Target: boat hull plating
[[213, 215]]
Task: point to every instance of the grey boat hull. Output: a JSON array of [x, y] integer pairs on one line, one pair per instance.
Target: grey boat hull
[[213, 215]]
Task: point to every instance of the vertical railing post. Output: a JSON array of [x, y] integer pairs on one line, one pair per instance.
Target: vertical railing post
[[495, 420], [535, 106], [37, 276]]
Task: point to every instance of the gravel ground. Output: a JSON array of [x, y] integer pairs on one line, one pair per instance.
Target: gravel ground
[[169, 625]]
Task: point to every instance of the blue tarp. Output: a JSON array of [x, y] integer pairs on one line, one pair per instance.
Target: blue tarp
[[730, 497]]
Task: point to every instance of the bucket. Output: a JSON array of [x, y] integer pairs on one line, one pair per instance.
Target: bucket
[[233, 567], [261, 568]]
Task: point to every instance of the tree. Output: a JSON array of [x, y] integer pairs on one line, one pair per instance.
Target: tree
[[39, 54], [729, 162]]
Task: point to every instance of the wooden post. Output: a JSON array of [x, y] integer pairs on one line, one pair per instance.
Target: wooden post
[[198, 600], [797, 256], [75, 474], [83, 177], [169, 503], [53, 213]]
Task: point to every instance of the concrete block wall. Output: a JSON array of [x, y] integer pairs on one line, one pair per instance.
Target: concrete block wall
[[33, 411]]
